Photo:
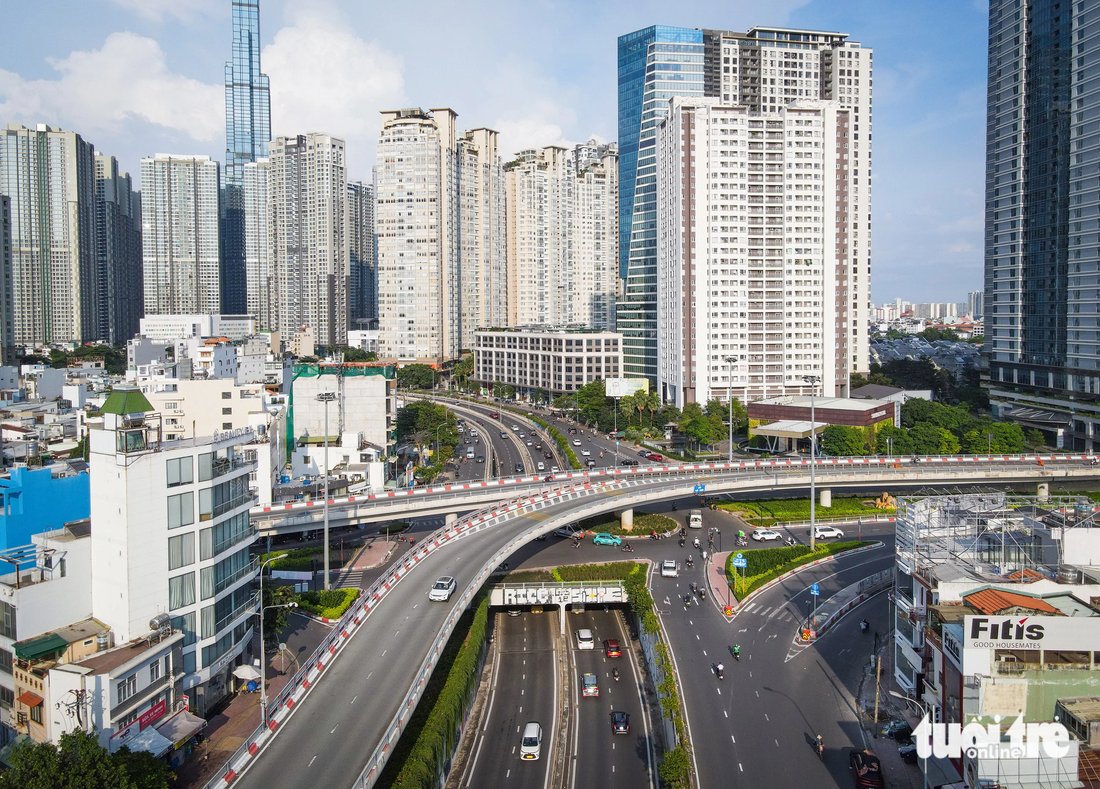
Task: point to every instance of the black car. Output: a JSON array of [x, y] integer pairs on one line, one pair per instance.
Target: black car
[[643, 453], [519, 468], [620, 722], [628, 462], [590, 463], [866, 770], [548, 455]]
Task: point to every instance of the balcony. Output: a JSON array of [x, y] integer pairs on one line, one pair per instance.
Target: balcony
[[124, 707], [236, 539], [251, 603], [223, 466], [228, 581], [232, 504]]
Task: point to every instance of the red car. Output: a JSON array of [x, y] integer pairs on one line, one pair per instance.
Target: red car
[[655, 456], [611, 648]]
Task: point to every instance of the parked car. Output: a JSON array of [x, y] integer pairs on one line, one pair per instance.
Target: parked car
[[827, 533], [603, 538], [765, 535], [628, 462], [897, 729], [866, 770]]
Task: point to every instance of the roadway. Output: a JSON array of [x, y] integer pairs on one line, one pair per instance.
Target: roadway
[[524, 688]]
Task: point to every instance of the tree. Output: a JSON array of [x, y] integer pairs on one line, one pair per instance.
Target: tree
[[1034, 437], [591, 401], [675, 769], [695, 424], [463, 371], [416, 376], [892, 440], [353, 355], [627, 409], [276, 619], [716, 408], [843, 440], [80, 762], [424, 423], [928, 439]]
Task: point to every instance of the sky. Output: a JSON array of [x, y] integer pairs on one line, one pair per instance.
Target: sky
[[138, 77]]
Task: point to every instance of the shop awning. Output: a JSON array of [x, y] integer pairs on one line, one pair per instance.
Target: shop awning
[[789, 428], [34, 648], [30, 699], [150, 740], [181, 727]]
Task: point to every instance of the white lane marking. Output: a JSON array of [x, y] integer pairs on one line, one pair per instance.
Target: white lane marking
[[334, 728], [757, 694], [766, 717], [370, 675], [739, 767], [384, 651], [719, 691], [733, 739], [353, 698], [396, 633], [704, 653], [311, 761], [724, 712], [777, 743]]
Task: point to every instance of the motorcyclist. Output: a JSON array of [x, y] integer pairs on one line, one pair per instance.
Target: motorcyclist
[[863, 625], [736, 650], [615, 674], [695, 542], [820, 746], [740, 534], [721, 670], [690, 561]]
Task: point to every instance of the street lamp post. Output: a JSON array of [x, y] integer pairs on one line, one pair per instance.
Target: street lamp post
[[731, 360], [326, 398], [925, 713], [263, 657], [813, 381]]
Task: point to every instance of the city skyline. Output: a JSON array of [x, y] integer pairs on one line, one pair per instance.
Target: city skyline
[[558, 88]]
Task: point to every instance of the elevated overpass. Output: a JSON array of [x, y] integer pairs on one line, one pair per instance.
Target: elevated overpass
[[384, 650], [740, 476]]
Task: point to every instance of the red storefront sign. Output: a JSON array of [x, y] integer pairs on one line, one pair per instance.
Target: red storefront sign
[[154, 713]]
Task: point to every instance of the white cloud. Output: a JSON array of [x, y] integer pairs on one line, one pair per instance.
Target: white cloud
[[179, 10], [325, 78], [104, 90]]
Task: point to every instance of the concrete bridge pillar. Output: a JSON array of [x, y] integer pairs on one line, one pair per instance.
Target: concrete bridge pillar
[[825, 497], [626, 519], [450, 518], [1042, 491], [561, 619]]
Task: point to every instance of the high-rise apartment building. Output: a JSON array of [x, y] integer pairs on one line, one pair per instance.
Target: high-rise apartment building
[[363, 274], [49, 174], [7, 327], [180, 240], [753, 214], [763, 70], [439, 226], [1042, 307], [562, 236], [259, 274], [307, 191], [117, 253], [247, 133]]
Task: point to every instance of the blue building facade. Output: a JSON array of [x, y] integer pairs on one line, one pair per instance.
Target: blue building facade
[[247, 133], [655, 64], [36, 500]]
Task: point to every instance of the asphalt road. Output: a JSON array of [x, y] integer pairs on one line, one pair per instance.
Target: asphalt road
[[757, 726], [601, 758], [524, 689]]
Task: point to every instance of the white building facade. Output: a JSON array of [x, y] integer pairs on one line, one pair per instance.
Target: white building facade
[[440, 234], [181, 245], [753, 216], [259, 276], [307, 191], [173, 537], [545, 359]]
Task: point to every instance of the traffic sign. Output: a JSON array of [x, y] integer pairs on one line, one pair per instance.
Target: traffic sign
[[739, 563], [815, 590], [700, 488]]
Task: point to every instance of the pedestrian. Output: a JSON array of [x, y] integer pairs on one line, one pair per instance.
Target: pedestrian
[[704, 557]]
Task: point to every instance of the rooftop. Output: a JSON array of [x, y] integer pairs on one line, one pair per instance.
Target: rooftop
[[105, 662], [993, 601]]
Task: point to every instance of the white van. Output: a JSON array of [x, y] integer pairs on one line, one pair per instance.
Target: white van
[[585, 640], [540, 466], [530, 747], [470, 453], [695, 519]]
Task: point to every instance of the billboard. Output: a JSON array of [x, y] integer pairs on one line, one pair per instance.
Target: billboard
[[622, 387], [983, 633]]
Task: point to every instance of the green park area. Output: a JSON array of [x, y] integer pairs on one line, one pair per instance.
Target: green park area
[[768, 512], [766, 564]]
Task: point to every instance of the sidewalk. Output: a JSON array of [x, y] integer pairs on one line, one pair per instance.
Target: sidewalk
[[894, 769]]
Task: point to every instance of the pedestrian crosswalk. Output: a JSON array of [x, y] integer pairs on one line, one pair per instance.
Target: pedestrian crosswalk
[[352, 579], [779, 613]]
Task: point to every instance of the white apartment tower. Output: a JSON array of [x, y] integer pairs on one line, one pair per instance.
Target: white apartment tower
[[172, 540], [7, 329], [259, 276], [753, 216], [562, 236], [768, 68], [49, 174], [181, 247], [307, 190], [439, 227]]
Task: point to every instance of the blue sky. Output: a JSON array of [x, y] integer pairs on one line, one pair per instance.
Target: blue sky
[[137, 77]]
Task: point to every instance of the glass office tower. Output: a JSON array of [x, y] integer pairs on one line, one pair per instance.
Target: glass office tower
[[1042, 261], [655, 64], [247, 132]]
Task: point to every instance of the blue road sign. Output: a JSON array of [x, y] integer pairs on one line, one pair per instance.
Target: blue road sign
[[739, 562], [699, 489], [815, 590]]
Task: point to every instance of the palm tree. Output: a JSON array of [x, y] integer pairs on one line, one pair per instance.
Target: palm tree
[[652, 405]]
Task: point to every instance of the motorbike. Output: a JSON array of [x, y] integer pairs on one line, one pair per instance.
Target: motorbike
[[627, 548], [819, 746], [576, 543], [690, 561], [682, 541], [701, 592], [735, 650], [720, 670], [742, 542], [864, 625], [615, 674], [695, 543]]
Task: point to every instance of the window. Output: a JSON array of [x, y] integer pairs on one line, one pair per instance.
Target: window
[[36, 714], [179, 472], [206, 466], [5, 661], [186, 625], [227, 425], [154, 671], [7, 697], [126, 688], [7, 620], [227, 395], [181, 550], [227, 411], [181, 591], [181, 510]]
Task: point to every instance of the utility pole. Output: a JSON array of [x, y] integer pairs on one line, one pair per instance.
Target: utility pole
[[813, 380], [731, 360], [326, 398]]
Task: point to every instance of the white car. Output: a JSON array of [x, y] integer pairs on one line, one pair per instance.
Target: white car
[[668, 569], [827, 533], [576, 442], [443, 589], [555, 470], [585, 453], [515, 428], [761, 535]]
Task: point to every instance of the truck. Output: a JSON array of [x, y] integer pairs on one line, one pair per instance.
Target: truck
[[695, 519]]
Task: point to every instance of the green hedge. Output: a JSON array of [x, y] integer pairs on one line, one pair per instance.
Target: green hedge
[[644, 523], [329, 603], [560, 439], [766, 564], [429, 738], [770, 511]]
